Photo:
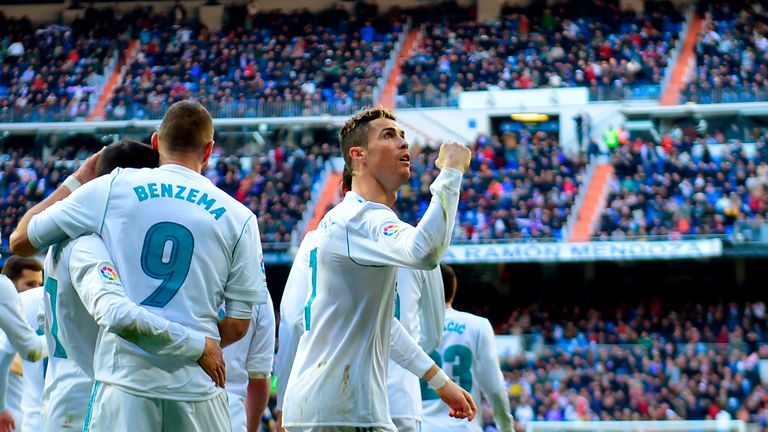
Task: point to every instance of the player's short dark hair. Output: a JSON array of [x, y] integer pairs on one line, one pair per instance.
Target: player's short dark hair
[[186, 127], [354, 133], [126, 153], [449, 282], [15, 265]]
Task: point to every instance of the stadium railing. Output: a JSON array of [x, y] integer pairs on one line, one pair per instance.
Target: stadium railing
[[724, 95]]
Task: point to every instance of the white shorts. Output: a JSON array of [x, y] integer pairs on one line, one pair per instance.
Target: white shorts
[[64, 407], [111, 409], [407, 424]]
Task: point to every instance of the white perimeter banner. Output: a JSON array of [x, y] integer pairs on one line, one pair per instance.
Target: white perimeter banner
[[589, 251], [523, 99]]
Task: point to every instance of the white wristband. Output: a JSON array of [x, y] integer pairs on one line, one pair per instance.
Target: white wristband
[[71, 183], [439, 380]]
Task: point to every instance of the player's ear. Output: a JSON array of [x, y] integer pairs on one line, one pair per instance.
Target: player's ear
[[208, 151], [154, 141], [357, 153]]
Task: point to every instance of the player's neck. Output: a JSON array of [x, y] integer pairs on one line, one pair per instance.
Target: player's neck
[[373, 191], [183, 160]]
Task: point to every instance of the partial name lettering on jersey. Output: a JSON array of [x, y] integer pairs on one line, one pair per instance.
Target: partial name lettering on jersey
[[184, 193], [393, 230], [109, 274], [453, 326]]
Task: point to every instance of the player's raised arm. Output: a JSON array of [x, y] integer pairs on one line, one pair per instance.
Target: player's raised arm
[[378, 237], [431, 309], [20, 335], [489, 378], [97, 283]]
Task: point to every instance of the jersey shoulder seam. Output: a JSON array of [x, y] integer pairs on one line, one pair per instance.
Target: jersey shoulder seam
[[242, 231]]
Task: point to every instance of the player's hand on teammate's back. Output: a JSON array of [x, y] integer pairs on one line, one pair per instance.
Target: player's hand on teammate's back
[[212, 362], [7, 423], [87, 170], [453, 155], [458, 400]]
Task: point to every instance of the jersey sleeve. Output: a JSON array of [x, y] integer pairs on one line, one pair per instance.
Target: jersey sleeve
[[81, 212], [261, 351], [431, 309], [490, 379], [292, 316], [98, 285], [247, 282], [13, 322], [378, 237], [404, 351]]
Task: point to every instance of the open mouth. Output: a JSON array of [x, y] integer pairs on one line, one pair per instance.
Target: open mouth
[[406, 158]]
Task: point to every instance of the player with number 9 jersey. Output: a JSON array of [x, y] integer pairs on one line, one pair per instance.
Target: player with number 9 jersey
[[182, 247]]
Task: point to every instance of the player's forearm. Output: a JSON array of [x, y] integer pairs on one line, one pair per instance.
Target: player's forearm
[[433, 233], [148, 331], [232, 330], [21, 336], [406, 352], [117, 314], [501, 412], [19, 241], [256, 401]]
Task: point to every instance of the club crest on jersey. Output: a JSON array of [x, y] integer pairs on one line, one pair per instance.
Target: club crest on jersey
[[108, 274], [393, 230]]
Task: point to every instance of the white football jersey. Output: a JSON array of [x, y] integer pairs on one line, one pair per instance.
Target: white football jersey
[[182, 247], [31, 304], [17, 335], [71, 334], [71, 331], [420, 308], [292, 314], [340, 370], [250, 357], [75, 315], [467, 353]]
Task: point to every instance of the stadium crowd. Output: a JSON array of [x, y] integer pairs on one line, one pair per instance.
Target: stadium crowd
[[563, 45], [55, 72], [276, 64], [732, 55], [648, 362], [682, 188]]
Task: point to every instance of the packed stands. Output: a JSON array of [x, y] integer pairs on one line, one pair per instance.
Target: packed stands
[[732, 55], [55, 72], [566, 45], [272, 65], [681, 188], [519, 186], [652, 361]]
